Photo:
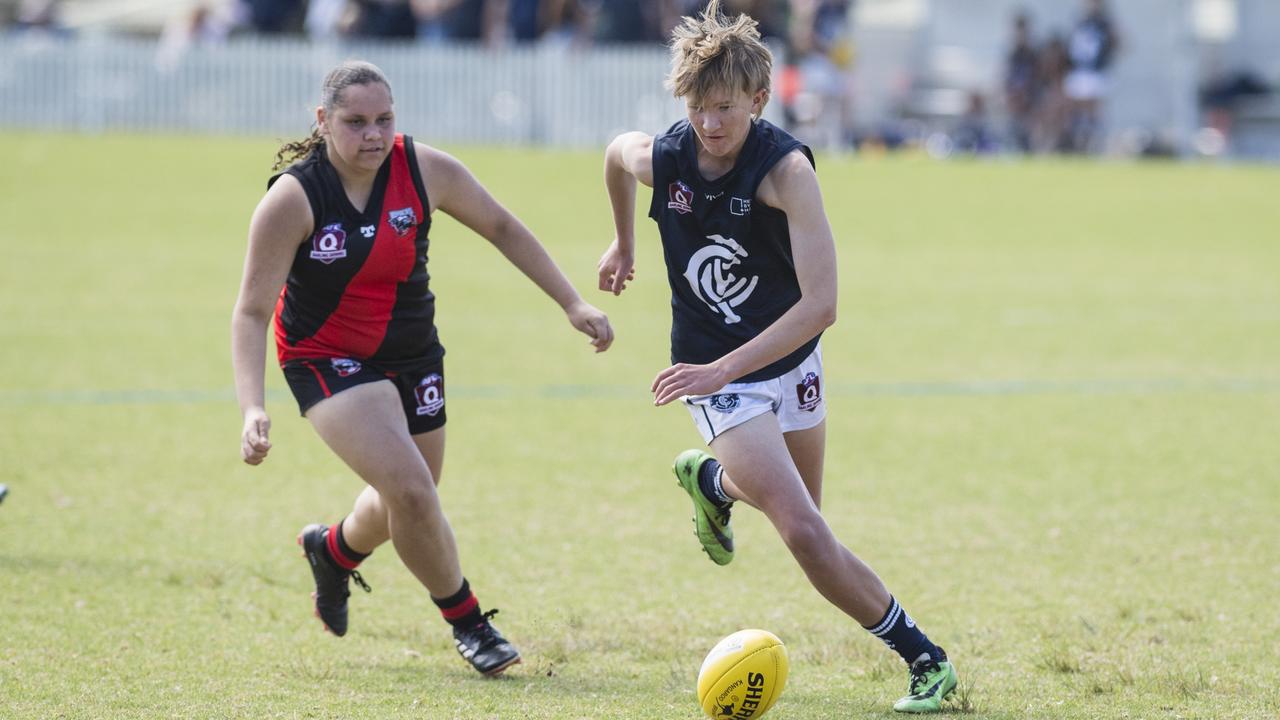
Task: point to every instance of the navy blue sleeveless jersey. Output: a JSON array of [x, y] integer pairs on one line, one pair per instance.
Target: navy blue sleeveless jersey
[[358, 287], [728, 255]]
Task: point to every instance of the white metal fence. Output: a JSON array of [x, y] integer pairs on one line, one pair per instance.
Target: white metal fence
[[544, 95]]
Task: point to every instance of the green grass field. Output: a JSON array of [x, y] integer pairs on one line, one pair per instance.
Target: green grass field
[[1054, 431]]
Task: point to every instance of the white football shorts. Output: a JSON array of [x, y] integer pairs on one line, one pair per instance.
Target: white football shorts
[[795, 397]]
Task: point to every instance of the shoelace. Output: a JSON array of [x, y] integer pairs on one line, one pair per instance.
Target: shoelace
[[484, 635], [355, 575], [920, 674]]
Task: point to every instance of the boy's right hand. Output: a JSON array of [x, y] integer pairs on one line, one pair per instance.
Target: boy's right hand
[[616, 268]]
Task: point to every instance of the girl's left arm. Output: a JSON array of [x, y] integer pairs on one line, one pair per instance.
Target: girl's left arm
[[452, 188]]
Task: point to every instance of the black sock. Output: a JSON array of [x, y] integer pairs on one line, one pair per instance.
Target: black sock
[[461, 609], [709, 483], [900, 633]]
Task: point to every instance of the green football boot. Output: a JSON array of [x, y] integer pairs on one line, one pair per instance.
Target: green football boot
[[930, 682], [712, 521]]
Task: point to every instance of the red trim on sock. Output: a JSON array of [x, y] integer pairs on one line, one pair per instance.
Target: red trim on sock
[[331, 540], [461, 609]]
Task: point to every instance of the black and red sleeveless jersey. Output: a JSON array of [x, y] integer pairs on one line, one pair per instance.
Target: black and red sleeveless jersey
[[358, 287]]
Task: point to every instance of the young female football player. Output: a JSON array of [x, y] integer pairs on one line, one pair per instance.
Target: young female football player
[[344, 231]]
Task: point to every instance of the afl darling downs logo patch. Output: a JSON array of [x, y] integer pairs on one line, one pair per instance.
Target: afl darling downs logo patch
[[430, 394], [329, 244], [725, 403], [680, 197], [809, 392], [402, 220], [345, 367], [711, 279]]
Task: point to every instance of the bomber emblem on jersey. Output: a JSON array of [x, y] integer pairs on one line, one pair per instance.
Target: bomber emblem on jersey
[[345, 367], [430, 395], [329, 244], [402, 220], [712, 280], [680, 197], [809, 392]]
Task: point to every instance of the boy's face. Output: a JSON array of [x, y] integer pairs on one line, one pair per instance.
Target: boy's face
[[722, 119]]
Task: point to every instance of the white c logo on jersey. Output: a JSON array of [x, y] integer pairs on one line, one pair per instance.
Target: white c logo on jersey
[[711, 279]]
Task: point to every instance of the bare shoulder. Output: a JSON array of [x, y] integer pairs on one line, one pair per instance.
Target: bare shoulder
[[634, 151], [284, 212], [435, 162], [792, 179]]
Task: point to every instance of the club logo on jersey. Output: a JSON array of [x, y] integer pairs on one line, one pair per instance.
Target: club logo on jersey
[[740, 206], [725, 403], [710, 275], [345, 367], [680, 197], [402, 220], [809, 392], [368, 230], [430, 395], [329, 244]]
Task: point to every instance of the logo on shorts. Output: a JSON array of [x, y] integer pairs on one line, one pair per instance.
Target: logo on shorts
[[402, 220], [680, 197], [725, 403], [430, 394], [345, 367], [709, 274], [329, 244], [809, 392]]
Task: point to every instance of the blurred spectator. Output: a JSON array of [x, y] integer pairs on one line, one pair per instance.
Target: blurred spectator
[[461, 20], [1221, 99], [560, 21], [627, 21], [973, 133], [385, 19], [1052, 108], [274, 17], [1092, 47], [327, 19], [818, 78], [40, 16], [1021, 83], [201, 25]]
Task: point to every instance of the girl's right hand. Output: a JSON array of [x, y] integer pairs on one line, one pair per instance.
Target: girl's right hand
[[253, 438]]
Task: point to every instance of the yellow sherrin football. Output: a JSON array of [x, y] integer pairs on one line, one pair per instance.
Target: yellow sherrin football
[[743, 675]]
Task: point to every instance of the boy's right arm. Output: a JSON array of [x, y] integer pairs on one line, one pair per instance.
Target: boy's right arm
[[628, 158]]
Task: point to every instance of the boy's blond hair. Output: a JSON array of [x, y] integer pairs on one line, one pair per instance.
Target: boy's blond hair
[[711, 52]]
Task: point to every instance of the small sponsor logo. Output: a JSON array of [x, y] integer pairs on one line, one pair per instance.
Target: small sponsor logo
[[402, 220], [809, 392], [725, 403], [329, 244], [711, 197], [680, 197], [345, 367], [740, 206], [430, 395], [368, 230]]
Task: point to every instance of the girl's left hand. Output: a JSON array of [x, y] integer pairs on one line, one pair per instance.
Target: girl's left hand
[[593, 323]]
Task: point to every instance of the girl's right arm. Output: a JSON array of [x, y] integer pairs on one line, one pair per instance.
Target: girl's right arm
[[280, 223], [628, 158]]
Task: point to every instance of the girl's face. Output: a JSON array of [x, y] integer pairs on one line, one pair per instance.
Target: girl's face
[[361, 128], [723, 118]]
